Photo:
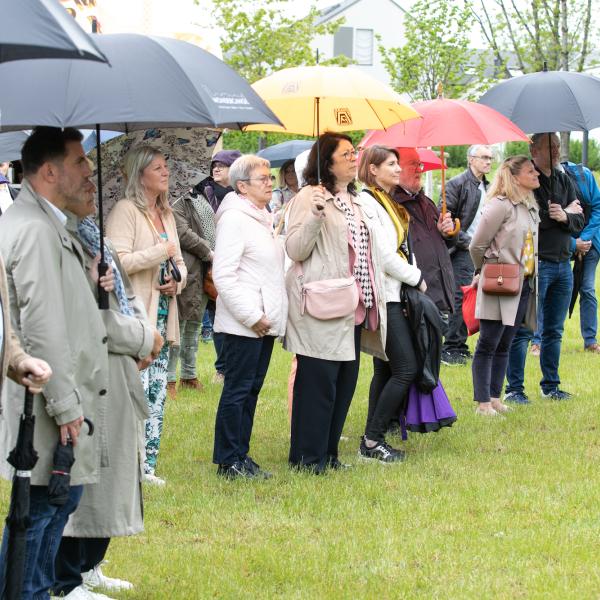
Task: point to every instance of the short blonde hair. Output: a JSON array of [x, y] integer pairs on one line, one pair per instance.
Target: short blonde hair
[[505, 185], [134, 164], [243, 166]]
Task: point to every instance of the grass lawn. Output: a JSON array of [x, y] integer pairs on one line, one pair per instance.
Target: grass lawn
[[491, 508]]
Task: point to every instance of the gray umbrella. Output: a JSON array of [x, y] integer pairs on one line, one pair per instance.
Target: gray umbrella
[[42, 29], [548, 101], [11, 144], [152, 82], [280, 153]]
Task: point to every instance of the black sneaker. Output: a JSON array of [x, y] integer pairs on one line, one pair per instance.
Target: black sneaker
[[516, 398], [453, 359], [556, 395], [383, 452], [255, 469], [466, 353], [235, 471]]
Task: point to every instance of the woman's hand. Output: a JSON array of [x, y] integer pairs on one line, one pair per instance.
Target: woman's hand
[[171, 248], [318, 201], [475, 281], [169, 288], [262, 326], [423, 286]]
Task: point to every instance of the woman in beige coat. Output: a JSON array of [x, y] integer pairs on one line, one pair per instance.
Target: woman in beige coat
[[143, 231], [507, 233], [329, 237]]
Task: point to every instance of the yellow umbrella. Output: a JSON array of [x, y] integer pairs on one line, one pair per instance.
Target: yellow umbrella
[[308, 100]]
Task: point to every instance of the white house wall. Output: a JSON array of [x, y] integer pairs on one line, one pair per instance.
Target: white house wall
[[383, 17]]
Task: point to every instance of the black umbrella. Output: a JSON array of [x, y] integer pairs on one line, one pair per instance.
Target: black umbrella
[[152, 82], [280, 153], [23, 458], [577, 281], [42, 29], [548, 101]]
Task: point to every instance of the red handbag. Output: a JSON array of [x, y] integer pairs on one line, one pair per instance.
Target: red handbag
[[468, 308]]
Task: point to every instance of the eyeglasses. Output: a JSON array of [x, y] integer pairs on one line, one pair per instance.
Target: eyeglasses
[[350, 154], [263, 180], [485, 158], [413, 165], [219, 167]]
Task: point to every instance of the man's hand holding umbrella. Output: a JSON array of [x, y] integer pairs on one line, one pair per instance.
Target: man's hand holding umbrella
[[34, 373]]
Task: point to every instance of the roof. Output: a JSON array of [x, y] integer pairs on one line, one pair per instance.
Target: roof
[[336, 9]]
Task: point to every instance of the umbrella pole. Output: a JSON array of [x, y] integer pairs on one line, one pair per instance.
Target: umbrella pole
[[551, 167], [103, 266], [456, 229], [318, 145]]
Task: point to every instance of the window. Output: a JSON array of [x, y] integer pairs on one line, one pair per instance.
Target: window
[[342, 42], [363, 46]]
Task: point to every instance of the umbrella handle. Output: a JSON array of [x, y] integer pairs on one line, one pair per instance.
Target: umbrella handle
[[456, 229]]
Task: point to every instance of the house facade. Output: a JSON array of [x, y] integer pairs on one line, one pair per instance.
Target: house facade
[[356, 38]]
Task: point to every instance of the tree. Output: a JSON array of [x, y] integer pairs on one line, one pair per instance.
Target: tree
[[259, 41], [558, 33], [436, 50]]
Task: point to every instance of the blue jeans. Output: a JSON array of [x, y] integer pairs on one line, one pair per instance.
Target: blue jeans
[[43, 538], [555, 283], [245, 370], [187, 351], [588, 305]]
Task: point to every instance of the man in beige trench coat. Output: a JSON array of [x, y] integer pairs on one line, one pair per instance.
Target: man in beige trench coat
[[54, 314]]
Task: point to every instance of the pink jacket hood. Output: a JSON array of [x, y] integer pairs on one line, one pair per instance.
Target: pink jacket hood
[[234, 201]]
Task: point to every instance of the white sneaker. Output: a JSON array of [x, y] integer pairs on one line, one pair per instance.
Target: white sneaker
[[96, 578], [153, 479], [82, 593]]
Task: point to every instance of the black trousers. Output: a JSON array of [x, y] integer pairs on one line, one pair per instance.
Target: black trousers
[[76, 556], [245, 370], [391, 380], [323, 391]]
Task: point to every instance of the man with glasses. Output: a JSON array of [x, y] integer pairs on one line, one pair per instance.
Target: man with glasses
[[428, 232], [465, 195]]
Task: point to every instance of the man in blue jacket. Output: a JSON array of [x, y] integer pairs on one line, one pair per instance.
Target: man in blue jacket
[[586, 247]]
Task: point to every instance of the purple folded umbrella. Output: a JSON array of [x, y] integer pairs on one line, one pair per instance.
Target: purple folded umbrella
[[428, 411]]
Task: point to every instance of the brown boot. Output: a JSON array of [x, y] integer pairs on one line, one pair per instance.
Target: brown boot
[[193, 384], [172, 390]]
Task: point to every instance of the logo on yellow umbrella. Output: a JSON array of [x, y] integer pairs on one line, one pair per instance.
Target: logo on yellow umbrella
[[291, 87], [342, 116]]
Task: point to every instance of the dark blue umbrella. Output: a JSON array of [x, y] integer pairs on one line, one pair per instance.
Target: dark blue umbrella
[[280, 153], [42, 29]]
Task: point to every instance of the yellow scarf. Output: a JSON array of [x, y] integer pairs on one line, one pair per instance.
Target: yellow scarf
[[397, 213]]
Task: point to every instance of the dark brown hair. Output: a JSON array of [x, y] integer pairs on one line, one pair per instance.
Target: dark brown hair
[[328, 143], [373, 155]]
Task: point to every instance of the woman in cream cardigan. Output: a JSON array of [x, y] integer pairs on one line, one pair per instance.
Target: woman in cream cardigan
[[142, 229]]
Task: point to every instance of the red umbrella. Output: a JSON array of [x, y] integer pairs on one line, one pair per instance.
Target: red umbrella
[[448, 122], [431, 161]]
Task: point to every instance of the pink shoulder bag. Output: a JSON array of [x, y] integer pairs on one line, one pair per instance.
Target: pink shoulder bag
[[328, 298]]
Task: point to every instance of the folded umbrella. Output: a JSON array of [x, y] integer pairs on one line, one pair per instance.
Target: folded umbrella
[[577, 281]]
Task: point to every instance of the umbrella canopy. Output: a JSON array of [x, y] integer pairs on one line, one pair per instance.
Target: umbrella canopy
[[152, 81], [448, 122], [42, 29], [188, 153], [430, 160], [280, 153], [548, 101], [309, 100]]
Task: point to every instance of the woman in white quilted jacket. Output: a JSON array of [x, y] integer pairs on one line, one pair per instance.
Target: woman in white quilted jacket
[[251, 308]]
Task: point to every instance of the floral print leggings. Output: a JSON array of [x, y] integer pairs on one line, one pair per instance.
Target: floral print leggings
[[154, 379]]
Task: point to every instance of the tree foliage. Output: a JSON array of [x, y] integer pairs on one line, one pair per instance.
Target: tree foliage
[[529, 33], [258, 38], [436, 50]]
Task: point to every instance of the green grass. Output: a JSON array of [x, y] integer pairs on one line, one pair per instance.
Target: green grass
[[492, 508]]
